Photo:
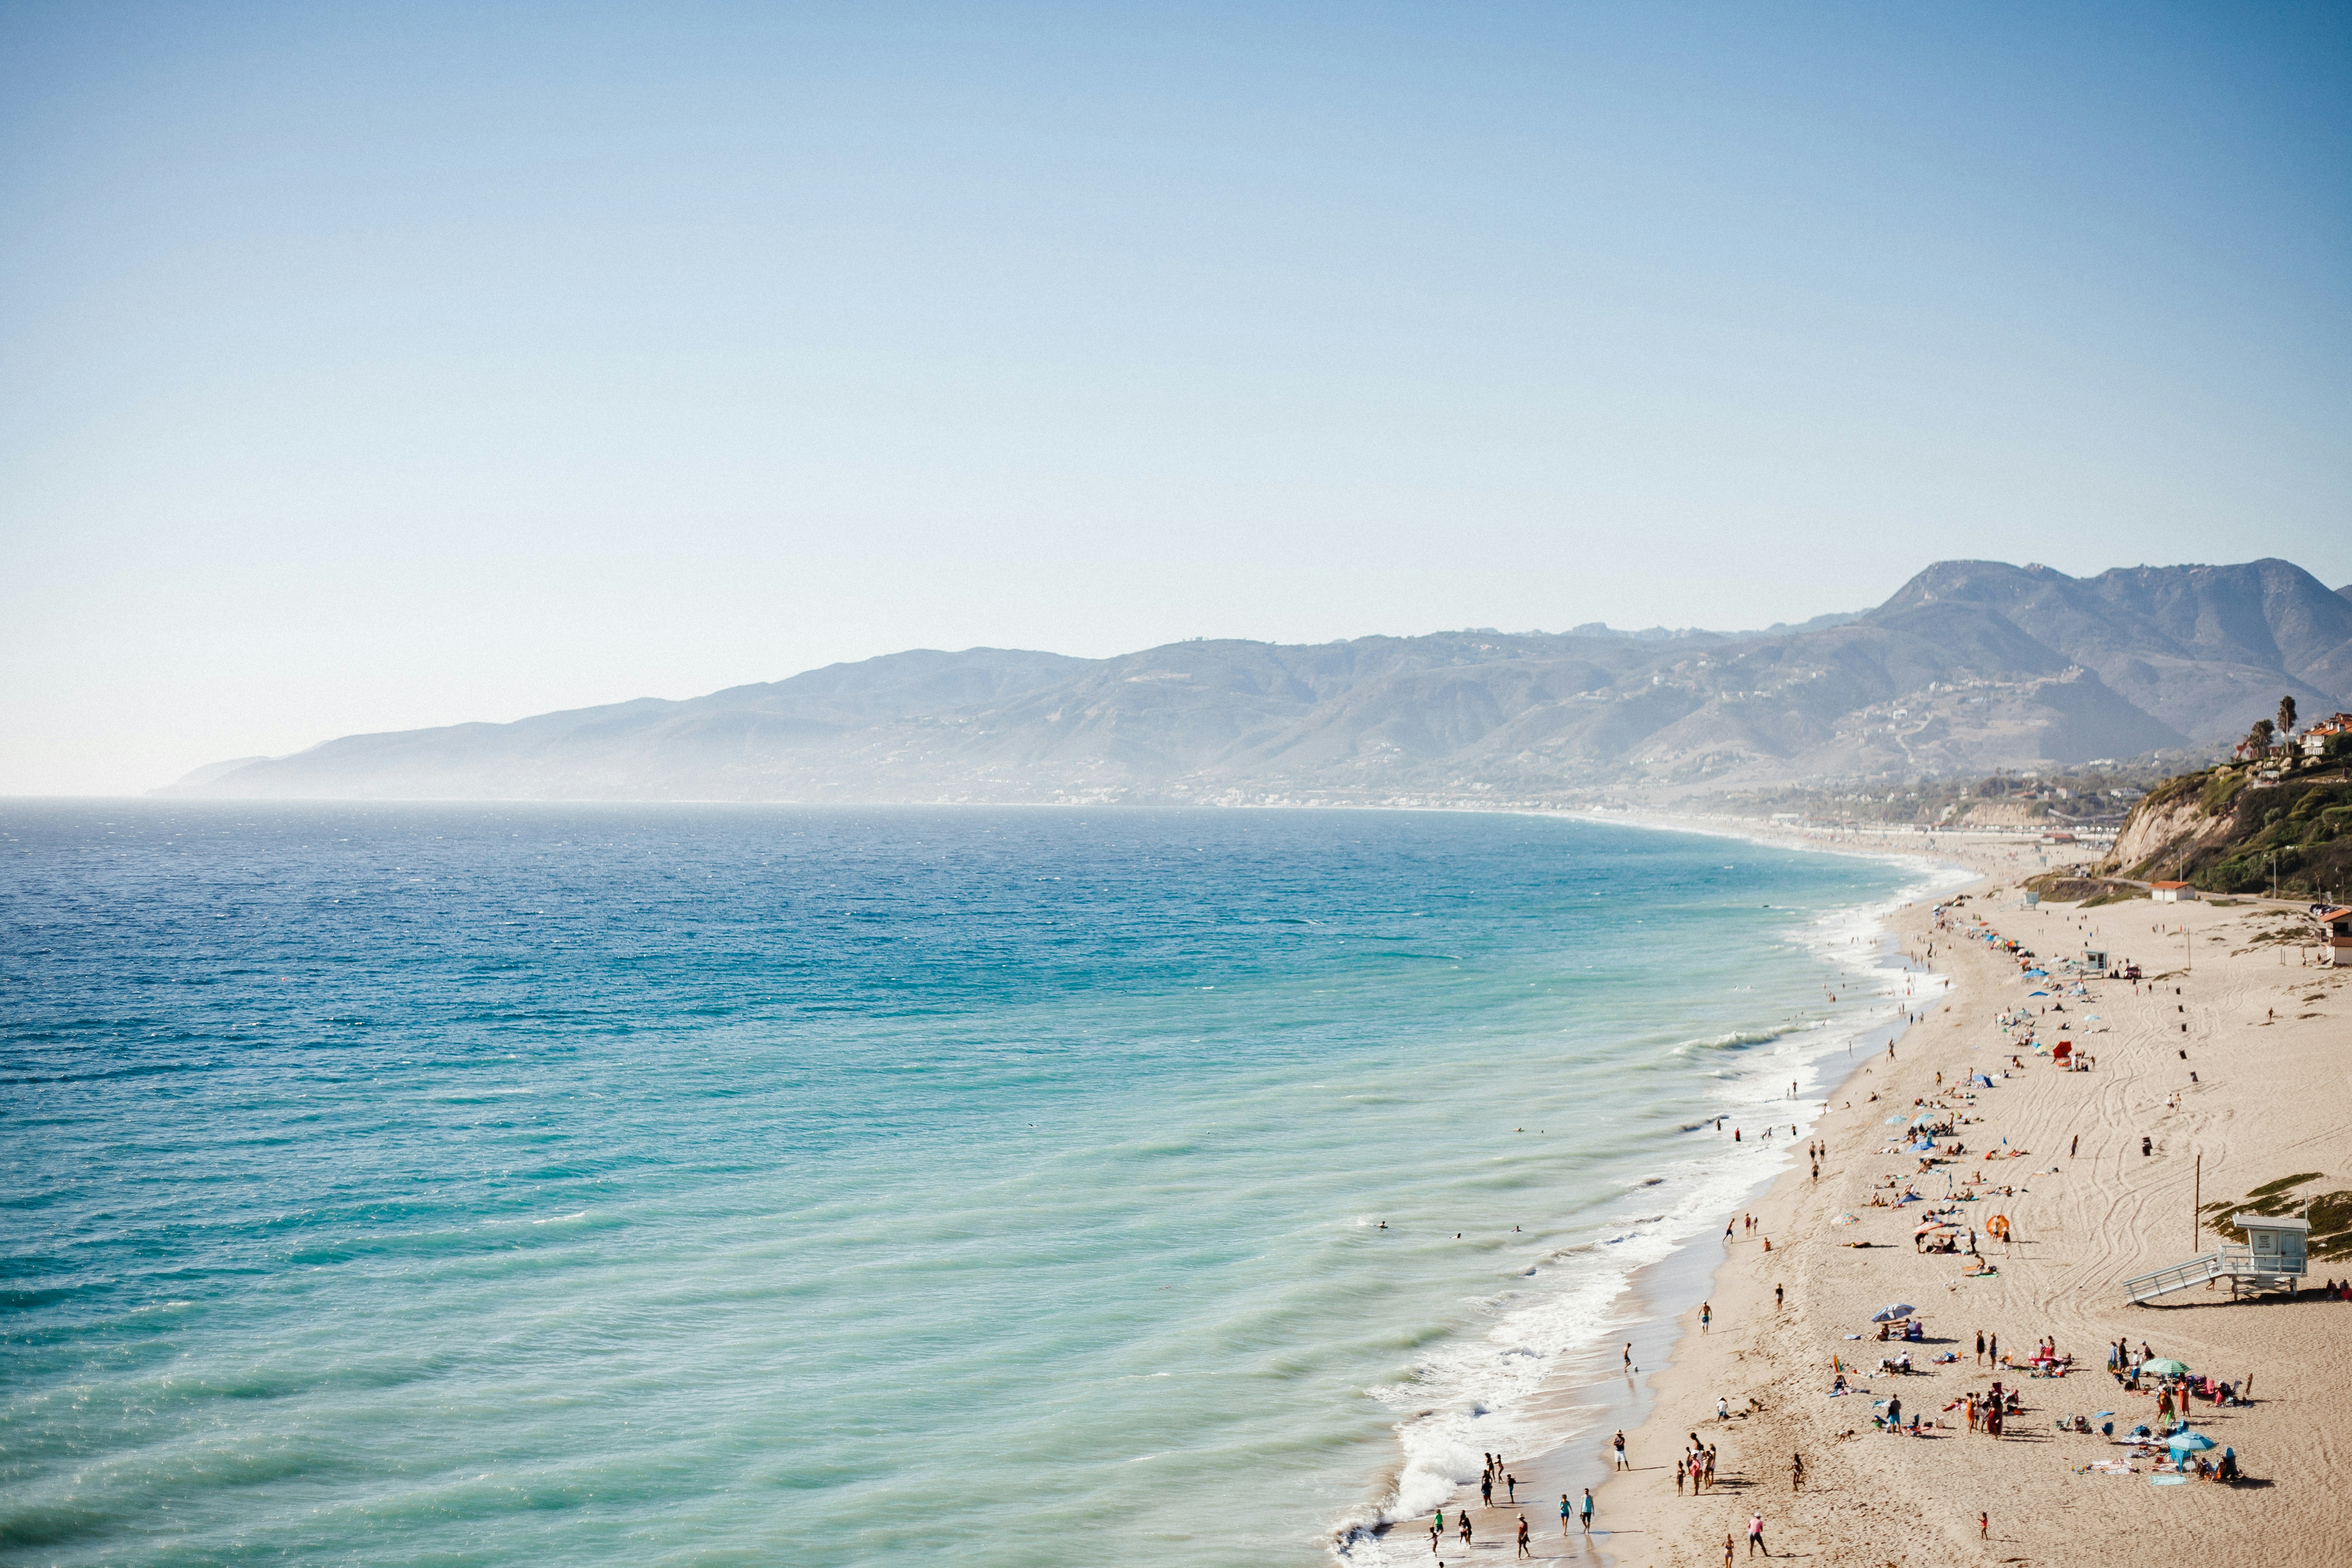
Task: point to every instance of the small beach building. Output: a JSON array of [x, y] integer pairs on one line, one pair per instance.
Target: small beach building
[[2172, 892], [2335, 935], [2277, 1244]]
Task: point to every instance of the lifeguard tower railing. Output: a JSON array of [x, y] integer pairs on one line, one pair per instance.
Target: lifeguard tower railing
[[2237, 1263]]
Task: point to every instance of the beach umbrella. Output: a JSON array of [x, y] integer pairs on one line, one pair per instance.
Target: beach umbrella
[[1895, 1121], [2186, 1442], [1891, 1314], [1925, 1116], [1849, 1218], [2164, 1368], [2037, 994]]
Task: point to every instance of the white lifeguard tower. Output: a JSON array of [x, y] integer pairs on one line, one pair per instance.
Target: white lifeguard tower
[[2272, 1258], [2276, 1245]]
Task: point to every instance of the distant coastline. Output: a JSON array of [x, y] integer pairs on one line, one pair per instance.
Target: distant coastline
[[1971, 667]]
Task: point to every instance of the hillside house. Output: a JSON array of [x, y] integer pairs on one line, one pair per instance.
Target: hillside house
[[2334, 925], [2315, 739], [2172, 892]]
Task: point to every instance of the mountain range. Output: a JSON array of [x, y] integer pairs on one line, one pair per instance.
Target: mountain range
[[1972, 666]]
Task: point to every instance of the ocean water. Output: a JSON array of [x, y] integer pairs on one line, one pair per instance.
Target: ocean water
[[577, 1184]]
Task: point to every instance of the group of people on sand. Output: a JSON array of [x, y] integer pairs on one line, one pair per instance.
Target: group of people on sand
[[1696, 1466], [1755, 1540], [1493, 1476], [1989, 1412]]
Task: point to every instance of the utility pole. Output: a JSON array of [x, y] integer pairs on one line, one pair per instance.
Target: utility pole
[[2196, 1192]]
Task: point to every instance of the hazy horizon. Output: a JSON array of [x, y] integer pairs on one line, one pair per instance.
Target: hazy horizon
[[398, 367]]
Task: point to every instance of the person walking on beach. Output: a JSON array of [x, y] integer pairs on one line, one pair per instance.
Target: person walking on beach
[[1984, 1526], [1980, 1347], [1756, 1536], [1620, 1445], [1564, 1512], [1727, 1551], [1465, 1516], [1796, 1472], [1588, 1511], [1705, 1315], [1511, 1487], [1779, 1293], [1523, 1537], [1486, 1488]]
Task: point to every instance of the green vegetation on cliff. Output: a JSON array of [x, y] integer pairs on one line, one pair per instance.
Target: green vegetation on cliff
[[2228, 830]]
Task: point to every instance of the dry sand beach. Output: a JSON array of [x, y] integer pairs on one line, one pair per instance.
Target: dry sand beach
[[2269, 1042]]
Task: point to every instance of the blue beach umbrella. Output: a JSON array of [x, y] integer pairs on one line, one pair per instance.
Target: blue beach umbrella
[[2186, 1442], [2037, 994]]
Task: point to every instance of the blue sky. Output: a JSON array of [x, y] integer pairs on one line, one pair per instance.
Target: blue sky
[[371, 367]]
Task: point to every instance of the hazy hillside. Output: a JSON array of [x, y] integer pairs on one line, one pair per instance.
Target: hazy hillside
[[1972, 666]]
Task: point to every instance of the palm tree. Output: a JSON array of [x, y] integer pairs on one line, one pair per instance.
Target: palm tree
[[2286, 716]]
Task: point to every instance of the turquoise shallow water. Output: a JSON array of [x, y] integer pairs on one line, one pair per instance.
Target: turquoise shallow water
[[572, 1185]]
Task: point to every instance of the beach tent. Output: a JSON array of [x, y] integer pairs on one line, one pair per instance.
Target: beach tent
[[2186, 1442], [1896, 1313], [2164, 1368]]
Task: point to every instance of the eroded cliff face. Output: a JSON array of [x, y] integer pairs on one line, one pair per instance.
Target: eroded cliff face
[[2168, 827]]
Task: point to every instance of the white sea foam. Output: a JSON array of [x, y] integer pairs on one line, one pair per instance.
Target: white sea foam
[[1474, 1395]]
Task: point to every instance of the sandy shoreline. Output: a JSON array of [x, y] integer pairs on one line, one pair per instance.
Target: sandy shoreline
[[2271, 1099]]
